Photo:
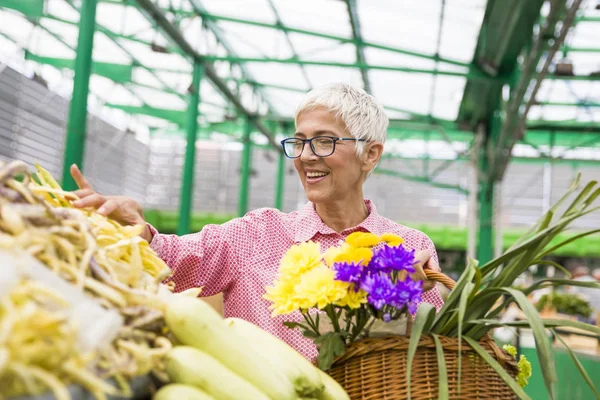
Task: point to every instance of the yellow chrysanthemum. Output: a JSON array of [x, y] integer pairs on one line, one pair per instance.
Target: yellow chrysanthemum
[[392, 240], [356, 255], [318, 288], [299, 259], [363, 239], [331, 254], [524, 371], [353, 299], [281, 295]]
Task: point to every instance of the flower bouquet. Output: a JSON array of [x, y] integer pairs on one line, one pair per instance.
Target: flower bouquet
[[448, 354], [365, 280]]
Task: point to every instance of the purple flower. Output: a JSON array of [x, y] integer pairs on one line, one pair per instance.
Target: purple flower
[[387, 317], [380, 289], [407, 293], [388, 259], [348, 272]]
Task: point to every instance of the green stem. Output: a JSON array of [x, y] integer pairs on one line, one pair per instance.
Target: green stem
[[333, 316], [310, 322]]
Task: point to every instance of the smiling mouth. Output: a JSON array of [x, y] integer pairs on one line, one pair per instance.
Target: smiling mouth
[[315, 175]]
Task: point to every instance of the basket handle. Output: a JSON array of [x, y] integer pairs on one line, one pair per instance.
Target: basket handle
[[440, 277]]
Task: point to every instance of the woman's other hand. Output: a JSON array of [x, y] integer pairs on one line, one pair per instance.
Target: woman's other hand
[[124, 210], [424, 261]]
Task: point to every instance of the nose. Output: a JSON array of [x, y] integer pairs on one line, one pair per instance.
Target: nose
[[308, 154]]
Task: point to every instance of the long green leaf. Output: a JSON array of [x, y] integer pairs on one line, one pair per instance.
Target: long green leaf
[[553, 264], [581, 197], [553, 209], [551, 232], [549, 282], [424, 317], [542, 344], [548, 323], [462, 307], [442, 372], [592, 198], [582, 370], [566, 242], [492, 362], [452, 301]]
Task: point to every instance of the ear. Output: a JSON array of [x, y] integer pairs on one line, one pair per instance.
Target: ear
[[371, 156]]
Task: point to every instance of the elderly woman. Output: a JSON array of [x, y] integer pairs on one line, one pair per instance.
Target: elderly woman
[[339, 139]]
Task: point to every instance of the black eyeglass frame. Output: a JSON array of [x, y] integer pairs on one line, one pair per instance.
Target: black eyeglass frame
[[312, 147]]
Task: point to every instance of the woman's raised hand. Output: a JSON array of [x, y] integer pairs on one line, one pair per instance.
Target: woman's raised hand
[[124, 210]]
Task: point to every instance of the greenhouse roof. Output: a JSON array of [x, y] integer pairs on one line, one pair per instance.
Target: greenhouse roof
[[447, 65]]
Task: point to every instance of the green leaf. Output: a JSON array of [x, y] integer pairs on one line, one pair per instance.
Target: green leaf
[[492, 362], [451, 302], [592, 198], [442, 372], [425, 316], [542, 344], [331, 345], [462, 307], [552, 263], [293, 325], [566, 242], [580, 198], [548, 323], [582, 370]]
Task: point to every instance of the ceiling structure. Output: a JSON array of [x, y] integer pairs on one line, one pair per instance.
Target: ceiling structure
[[442, 70]]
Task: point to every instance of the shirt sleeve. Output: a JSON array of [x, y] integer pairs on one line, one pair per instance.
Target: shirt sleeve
[[433, 296], [210, 259]]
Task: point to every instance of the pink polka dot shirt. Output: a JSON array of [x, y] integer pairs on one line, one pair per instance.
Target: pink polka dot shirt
[[241, 257]]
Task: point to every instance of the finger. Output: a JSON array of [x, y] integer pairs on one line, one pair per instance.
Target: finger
[[79, 178], [428, 285], [422, 256], [432, 265], [81, 193], [95, 200], [108, 208]]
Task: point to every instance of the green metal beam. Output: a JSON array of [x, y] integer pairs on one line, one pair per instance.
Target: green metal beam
[[214, 17], [567, 104], [516, 114], [474, 75], [421, 179], [279, 188], [583, 18], [152, 12], [571, 49], [279, 22], [187, 185], [77, 123], [118, 73], [505, 31], [176, 116], [246, 168], [358, 42], [30, 8]]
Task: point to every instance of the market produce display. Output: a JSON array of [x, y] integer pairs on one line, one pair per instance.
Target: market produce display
[[81, 302], [233, 359], [40, 346]]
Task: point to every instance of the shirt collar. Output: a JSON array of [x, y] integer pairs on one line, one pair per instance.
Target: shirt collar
[[309, 223]]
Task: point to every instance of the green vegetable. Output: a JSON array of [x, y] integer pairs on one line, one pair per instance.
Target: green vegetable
[[194, 367]]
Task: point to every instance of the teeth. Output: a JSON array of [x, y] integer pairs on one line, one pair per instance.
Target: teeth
[[316, 174]]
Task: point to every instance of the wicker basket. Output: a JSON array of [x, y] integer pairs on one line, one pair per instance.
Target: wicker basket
[[375, 368]]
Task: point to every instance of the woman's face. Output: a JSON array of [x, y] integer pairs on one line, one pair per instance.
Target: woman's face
[[327, 179]]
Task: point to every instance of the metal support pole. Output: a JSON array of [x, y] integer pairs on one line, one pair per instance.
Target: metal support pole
[[187, 185], [77, 124], [245, 169], [487, 139], [280, 182]]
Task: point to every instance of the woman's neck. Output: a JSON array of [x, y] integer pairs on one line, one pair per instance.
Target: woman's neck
[[342, 215]]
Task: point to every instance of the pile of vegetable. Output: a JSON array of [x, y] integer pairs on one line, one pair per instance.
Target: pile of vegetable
[[565, 303], [40, 344], [232, 359]]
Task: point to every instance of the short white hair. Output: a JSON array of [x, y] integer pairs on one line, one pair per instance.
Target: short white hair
[[363, 116]]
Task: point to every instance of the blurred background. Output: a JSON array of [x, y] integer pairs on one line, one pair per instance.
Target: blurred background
[[181, 104]]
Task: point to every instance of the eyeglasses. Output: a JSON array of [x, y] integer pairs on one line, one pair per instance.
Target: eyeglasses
[[322, 146]]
